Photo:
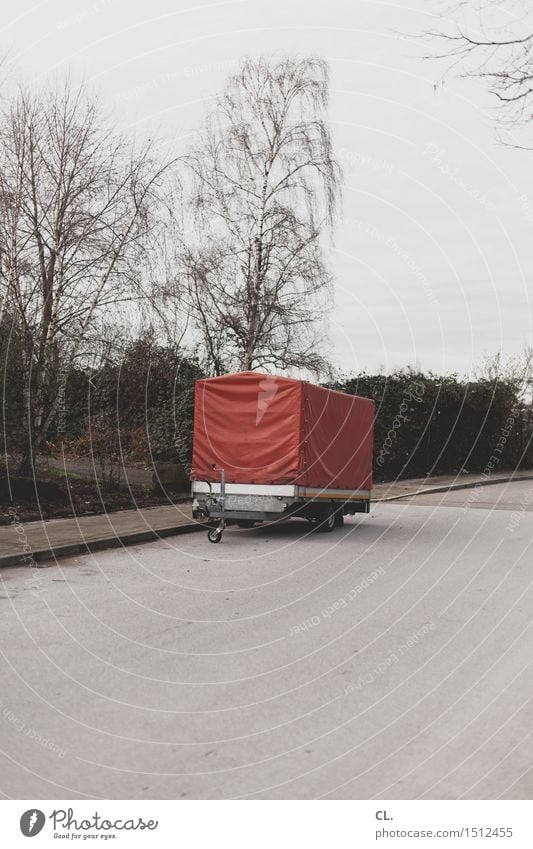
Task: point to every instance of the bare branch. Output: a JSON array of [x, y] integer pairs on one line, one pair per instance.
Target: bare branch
[[494, 45]]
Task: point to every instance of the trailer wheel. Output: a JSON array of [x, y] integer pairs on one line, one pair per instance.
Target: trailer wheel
[[324, 523], [214, 535], [339, 518]]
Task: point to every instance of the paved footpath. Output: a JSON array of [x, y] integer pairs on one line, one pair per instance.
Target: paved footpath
[[46, 540], [443, 483], [53, 538]]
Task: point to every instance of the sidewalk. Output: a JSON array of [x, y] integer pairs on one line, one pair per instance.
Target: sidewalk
[[442, 483], [56, 538], [53, 538]]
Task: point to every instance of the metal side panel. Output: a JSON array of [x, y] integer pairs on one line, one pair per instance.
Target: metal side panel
[[283, 490], [317, 494]]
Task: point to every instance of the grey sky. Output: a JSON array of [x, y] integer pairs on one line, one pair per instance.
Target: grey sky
[[433, 259]]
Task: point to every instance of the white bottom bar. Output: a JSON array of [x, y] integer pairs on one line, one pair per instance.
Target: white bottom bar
[[266, 824], [246, 488]]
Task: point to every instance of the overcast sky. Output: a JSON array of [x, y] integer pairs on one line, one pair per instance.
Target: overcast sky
[[432, 260]]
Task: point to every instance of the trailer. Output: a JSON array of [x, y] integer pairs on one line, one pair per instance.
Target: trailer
[[268, 448]]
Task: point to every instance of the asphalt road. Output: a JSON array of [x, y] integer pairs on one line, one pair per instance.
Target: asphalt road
[[389, 659]]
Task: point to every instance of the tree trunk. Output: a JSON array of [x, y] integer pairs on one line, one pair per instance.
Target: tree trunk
[[26, 468]]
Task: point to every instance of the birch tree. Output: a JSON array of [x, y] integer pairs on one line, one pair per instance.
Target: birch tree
[[265, 192]]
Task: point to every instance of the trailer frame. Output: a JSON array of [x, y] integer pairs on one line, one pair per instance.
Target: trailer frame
[[223, 503]]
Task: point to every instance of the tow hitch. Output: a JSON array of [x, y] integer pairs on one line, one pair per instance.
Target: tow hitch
[[215, 534]]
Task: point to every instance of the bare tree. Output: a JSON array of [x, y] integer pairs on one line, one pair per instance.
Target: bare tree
[[266, 188], [492, 41], [75, 220], [514, 369]]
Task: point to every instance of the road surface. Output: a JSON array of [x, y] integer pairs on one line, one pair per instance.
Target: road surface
[[389, 659]]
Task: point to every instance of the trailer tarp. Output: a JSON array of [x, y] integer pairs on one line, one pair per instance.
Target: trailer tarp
[[263, 429]]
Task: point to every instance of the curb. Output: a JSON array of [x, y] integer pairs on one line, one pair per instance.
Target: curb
[[55, 552], [454, 486], [121, 540]]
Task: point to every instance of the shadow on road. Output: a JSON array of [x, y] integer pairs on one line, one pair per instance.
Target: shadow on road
[[300, 528]]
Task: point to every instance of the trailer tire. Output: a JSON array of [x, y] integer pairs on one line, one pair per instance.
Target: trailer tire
[[324, 523], [339, 518], [214, 535]]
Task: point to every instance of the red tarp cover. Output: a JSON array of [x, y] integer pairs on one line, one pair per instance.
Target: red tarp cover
[[275, 430]]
